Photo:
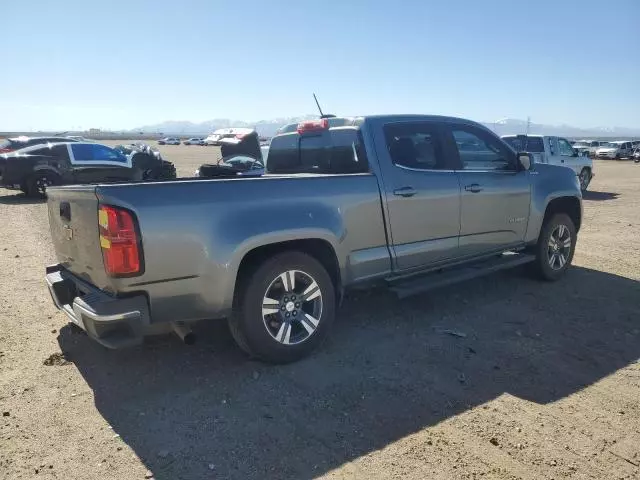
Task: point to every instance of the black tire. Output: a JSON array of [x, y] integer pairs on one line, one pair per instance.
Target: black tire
[[585, 179], [163, 171], [37, 183], [256, 332], [543, 267]]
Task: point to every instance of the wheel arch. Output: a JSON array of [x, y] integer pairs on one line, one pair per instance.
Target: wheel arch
[[319, 249], [568, 205]]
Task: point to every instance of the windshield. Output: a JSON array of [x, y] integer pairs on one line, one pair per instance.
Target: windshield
[[580, 145]]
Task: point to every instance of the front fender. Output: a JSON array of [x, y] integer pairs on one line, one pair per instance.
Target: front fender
[[549, 182]]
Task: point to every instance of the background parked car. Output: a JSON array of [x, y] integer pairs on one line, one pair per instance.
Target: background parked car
[[227, 133], [194, 141], [591, 145], [636, 155], [615, 150], [169, 141], [35, 168], [12, 144]]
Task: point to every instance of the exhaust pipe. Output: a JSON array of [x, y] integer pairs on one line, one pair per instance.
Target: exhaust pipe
[[184, 332]]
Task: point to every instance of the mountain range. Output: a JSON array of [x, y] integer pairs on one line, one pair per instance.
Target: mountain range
[[268, 128]]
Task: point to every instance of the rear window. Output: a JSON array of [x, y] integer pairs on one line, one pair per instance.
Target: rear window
[[523, 143], [338, 150]]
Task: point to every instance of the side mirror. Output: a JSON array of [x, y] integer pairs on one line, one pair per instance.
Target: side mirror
[[524, 159]]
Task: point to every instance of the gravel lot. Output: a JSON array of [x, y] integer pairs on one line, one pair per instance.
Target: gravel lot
[[545, 382]]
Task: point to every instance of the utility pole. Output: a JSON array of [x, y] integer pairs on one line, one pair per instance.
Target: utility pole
[[528, 124]]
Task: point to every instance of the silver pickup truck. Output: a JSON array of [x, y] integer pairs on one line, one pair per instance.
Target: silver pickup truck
[[413, 202]]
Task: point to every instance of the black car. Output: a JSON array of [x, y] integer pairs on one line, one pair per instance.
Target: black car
[[13, 144], [34, 168]]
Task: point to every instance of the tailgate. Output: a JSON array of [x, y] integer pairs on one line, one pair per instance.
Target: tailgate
[[73, 220]]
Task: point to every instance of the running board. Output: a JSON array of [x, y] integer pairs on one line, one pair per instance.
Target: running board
[[442, 278]]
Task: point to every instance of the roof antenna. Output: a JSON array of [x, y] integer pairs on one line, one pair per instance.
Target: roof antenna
[[322, 115]]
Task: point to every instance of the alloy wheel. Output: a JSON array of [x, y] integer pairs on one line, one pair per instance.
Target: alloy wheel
[[42, 183], [584, 179], [292, 307], [559, 247]]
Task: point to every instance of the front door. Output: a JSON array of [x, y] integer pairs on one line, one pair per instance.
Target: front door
[[553, 155], [94, 163], [568, 156], [495, 192], [422, 195]]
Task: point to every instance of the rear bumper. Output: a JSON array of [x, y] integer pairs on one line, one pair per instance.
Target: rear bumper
[[111, 321]]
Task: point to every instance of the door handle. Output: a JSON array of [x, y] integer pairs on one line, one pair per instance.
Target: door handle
[[474, 188], [405, 192]]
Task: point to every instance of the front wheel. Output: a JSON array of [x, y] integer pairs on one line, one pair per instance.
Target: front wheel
[[585, 179], [555, 248], [285, 308]]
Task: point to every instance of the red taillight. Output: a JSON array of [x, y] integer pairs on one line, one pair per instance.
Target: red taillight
[[5, 150], [313, 125], [240, 136], [119, 241]]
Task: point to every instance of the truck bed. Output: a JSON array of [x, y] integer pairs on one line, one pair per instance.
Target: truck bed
[[194, 236]]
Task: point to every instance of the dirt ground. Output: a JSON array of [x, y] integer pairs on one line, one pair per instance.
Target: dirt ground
[[543, 384]]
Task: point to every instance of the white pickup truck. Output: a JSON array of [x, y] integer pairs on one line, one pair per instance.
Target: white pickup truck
[[554, 151]]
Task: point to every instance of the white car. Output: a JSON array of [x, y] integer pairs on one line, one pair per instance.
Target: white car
[[615, 150], [589, 145], [193, 141], [169, 141], [228, 133]]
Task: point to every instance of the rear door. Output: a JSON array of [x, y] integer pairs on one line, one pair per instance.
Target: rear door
[[495, 193], [94, 163], [422, 194]]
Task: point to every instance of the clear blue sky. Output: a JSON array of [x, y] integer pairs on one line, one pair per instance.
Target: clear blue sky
[[126, 63]]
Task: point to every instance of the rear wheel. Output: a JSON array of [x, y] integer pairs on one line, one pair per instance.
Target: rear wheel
[[555, 247], [285, 308], [37, 183], [585, 179]]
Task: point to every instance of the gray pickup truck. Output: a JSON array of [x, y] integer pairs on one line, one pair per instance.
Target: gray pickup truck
[[409, 201]]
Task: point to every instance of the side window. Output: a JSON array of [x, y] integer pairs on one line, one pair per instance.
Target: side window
[[415, 145], [347, 152], [566, 150], [479, 151], [106, 154], [82, 152], [60, 152], [41, 151]]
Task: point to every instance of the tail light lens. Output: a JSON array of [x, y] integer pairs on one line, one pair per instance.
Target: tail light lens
[[240, 136], [120, 242], [5, 150]]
